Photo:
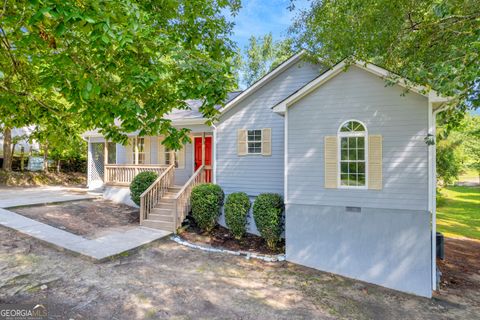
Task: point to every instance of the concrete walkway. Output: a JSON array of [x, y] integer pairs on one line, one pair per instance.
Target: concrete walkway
[[112, 243], [17, 196], [109, 245]]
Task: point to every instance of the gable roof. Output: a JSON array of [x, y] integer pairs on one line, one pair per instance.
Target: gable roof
[[340, 67], [262, 81]]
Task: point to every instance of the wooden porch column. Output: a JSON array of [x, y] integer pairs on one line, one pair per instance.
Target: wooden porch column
[[203, 148], [105, 153], [135, 151]]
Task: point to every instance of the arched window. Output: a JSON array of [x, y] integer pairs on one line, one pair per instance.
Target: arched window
[[352, 146]]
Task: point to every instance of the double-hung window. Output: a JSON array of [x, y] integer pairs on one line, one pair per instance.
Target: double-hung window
[[254, 141], [352, 140]]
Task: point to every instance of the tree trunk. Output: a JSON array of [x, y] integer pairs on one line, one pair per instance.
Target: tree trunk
[[7, 149], [58, 165], [45, 158]]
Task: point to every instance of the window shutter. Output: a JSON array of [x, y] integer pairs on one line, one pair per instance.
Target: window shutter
[[129, 150], [331, 162], [181, 158], [267, 141], [241, 142], [375, 162], [147, 150], [161, 151]]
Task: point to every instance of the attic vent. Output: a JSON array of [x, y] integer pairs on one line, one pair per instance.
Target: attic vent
[[353, 209]]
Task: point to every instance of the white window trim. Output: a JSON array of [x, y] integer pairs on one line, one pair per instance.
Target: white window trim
[[341, 135], [261, 143]]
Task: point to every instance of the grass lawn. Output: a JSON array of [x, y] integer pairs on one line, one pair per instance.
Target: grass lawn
[[458, 212]]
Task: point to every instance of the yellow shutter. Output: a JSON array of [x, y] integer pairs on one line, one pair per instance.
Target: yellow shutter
[[147, 150], [129, 151], [161, 151], [267, 141], [375, 162], [181, 158], [331, 162], [242, 142]]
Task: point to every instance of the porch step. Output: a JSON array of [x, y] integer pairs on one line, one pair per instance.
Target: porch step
[[157, 224]]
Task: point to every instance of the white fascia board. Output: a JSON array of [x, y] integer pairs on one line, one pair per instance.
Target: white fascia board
[[281, 108], [269, 76], [376, 70]]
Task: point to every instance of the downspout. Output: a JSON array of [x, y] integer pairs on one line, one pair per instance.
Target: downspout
[[433, 188], [214, 169]]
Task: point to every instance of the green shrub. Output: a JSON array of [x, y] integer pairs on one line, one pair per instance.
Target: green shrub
[[237, 206], [268, 216], [207, 199], [140, 183]]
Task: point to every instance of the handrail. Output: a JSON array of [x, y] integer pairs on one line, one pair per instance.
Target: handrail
[[150, 197], [182, 202], [190, 180], [157, 180]]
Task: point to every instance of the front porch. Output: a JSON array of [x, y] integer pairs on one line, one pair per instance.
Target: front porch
[[166, 203]]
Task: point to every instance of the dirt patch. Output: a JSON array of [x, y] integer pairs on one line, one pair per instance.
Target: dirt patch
[[461, 268], [169, 281], [222, 238], [88, 218], [27, 178]]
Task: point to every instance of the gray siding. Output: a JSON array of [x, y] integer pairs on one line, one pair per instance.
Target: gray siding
[[256, 174], [401, 120], [386, 247]]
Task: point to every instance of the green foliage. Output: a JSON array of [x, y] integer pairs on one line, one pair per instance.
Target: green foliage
[[263, 55], [457, 212], [237, 206], [119, 66], [140, 183], [268, 216], [458, 149], [207, 199], [433, 43]]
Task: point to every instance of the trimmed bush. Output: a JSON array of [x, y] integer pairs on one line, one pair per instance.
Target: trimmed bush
[[207, 199], [237, 206], [140, 183], [267, 213]]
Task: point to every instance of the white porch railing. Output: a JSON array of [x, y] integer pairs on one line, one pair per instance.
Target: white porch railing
[[182, 203], [123, 174], [150, 197]]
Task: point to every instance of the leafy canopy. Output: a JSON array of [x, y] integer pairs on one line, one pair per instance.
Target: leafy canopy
[[262, 55], [94, 62], [434, 43]]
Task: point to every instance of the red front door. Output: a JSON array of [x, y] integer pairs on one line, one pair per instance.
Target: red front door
[[208, 156]]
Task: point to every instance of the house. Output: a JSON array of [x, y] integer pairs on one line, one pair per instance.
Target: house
[[347, 152]]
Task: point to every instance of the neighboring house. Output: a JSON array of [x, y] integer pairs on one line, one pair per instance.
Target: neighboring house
[[22, 143], [347, 152]]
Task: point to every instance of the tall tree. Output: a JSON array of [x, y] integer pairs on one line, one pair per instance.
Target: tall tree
[[262, 55], [435, 43], [99, 61]]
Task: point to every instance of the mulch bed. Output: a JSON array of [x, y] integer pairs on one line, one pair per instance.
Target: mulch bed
[[221, 237], [461, 267], [84, 217]]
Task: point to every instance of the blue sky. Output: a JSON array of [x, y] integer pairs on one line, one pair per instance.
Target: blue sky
[[259, 17]]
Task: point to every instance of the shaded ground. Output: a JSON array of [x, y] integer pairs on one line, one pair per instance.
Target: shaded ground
[[461, 268], [40, 178], [221, 237], [87, 218], [167, 280], [458, 212]]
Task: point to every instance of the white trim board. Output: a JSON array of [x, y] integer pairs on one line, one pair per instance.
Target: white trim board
[[341, 67]]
